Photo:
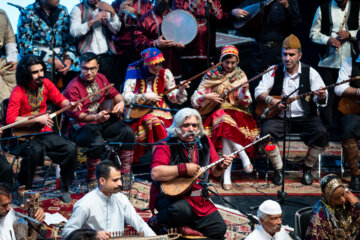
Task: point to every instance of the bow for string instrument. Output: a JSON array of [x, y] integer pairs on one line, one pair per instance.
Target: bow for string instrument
[[180, 185], [37, 128], [144, 106], [211, 106], [345, 104]]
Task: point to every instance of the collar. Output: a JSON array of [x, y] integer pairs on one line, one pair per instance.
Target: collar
[[333, 3], [266, 234], [101, 194]]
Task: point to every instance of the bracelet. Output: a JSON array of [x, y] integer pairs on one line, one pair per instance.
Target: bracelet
[[97, 116], [268, 99], [182, 170], [357, 92], [143, 97]]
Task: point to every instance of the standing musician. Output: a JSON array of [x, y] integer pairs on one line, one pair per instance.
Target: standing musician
[[29, 97], [231, 126], [350, 123], [7, 214], [193, 209], [301, 113], [105, 209], [93, 125], [146, 79]]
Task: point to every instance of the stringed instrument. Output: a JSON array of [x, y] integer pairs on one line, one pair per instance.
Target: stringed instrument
[[36, 128], [261, 107], [349, 105], [136, 111], [120, 235], [211, 106], [181, 185]]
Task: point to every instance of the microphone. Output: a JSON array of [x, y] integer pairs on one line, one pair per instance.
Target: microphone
[[267, 110], [30, 219], [199, 143], [203, 184], [130, 14]]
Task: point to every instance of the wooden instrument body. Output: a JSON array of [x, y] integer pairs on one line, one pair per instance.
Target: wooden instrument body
[[260, 108], [349, 105], [137, 112], [179, 186]]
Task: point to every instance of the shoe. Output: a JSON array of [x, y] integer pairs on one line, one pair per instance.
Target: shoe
[[278, 177], [65, 194], [355, 183], [187, 231], [307, 178], [227, 187], [154, 224], [249, 168]]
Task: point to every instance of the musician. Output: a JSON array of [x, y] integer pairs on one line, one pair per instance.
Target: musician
[[8, 49], [105, 209], [301, 113], [194, 56], [146, 79], [334, 29], [92, 23], [279, 23], [230, 125], [193, 209], [44, 27], [95, 125], [7, 214], [30, 97], [148, 34], [129, 13], [350, 123]]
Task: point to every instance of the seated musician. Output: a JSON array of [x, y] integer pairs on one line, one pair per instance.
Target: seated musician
[[93, 125], [350, 123], [146, 79], [30, 97], [301, 113], [105, 209], [7, 214], [337, 215], [230, 125], [193, 209]]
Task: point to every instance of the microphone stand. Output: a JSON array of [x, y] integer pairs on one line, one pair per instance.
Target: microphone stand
[[207, 14]]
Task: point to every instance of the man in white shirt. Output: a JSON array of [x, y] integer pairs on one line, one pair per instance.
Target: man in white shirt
[[294, 75], [7, 214], [334, 29], [350, 123], [270, 228], [105, 209], [92, 23]]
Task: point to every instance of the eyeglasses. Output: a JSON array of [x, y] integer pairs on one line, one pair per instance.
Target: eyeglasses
[[85, 69], [194, 125]]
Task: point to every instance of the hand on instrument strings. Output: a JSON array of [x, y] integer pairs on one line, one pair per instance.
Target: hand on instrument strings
[[102, 116], [285, 3], [118, 108], [57, 63], [163, 43], [66, 69], [320, 93], [333, 42], [40, 214], [103, 235], [13, 66], [153, 97], [107, 8], [245, 87], [226, 163], [45, 120], [213, 97], [239, 13], [75, 107], [274, 101], [343, 35], [183, 87], [192, 169], [350, 197]]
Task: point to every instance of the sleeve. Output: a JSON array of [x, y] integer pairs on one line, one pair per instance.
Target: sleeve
[[67, 40], [73, 94], [114, 23], [10, 41], [54, 94], [244, 97], [197, 99], [293, 13], [353, 32], [77, 29], [316, 230], [161, 156], [315, 35], [13, 110], [316, 82], [344, 73], [133, 218], [265, 84], [141, 39], [128, 93], [76, 221], [174, 96], [25, 35], [218, 12]]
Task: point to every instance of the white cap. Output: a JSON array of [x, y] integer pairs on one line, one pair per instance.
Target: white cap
[[270, 207]]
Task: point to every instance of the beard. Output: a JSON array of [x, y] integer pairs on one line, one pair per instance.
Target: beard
[[340, 3], [39, 82]]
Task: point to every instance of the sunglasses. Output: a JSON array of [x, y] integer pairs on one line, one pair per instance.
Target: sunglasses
[[186, 125]]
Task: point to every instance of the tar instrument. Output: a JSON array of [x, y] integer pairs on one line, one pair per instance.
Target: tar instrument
[[179, 26], [120, 235], [36, 128], [260, 107], [252, 22], [211, 106], [136, 111], [181, 185]]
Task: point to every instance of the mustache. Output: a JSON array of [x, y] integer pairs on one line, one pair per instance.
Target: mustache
[[190, 133], [277, 227], [39, 81]]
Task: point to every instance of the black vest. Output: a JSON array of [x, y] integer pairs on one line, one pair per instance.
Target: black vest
[[326, 22], [355, 71], [308, 107]]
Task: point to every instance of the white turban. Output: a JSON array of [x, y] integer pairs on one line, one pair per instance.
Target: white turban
[[269, 207]]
